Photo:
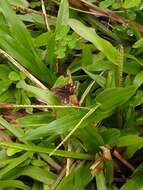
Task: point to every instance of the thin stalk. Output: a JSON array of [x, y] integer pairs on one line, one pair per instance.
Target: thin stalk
[[10, 106], [69, 161], [45, 16], [23, 70], [28, 10], [120, 62], [123, 160]]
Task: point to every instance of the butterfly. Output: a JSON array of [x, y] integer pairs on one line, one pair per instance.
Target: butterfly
[[66, 92]]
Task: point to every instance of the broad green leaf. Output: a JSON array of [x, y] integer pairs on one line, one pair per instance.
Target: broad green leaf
[[7, 96], [86, 55], [39, 149], [77, 179], [129, 140], [63, 15], [137, 99], [4, 71], [43, 39], [106, 3], [15, 131], [100, 181], [100, 65], [91, 138], [90, 35], [45, 95], [138, 80], [4, 85], [131, 3], [138, 44], [56, 127], [5, 184], [97, 78], [14, 163], [111, 98], [110, 136], [36, 119], [139, 120], [14, 76], [37, 173]]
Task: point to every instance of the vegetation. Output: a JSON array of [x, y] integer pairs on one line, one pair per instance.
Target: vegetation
[[71, 95]]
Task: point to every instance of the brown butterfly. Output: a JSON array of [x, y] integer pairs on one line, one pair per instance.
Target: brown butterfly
[[65, 92]]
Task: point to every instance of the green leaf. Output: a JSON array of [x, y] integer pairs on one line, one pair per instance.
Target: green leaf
[[14, 163], [86, 55], [74, 179], [45, 95], [63, 16], [111, 98], [43, 39], [131, 3], [110, 136], [39, 149], [91, 138], [131, 142], [106, 3], [15, 131], [4, 85], [100, 181], [13, 183], [90, 35], [97, 78], [39, 174], [56, 127], [138, 80], [36, 119], [14, 76], [4, 71], [17, 35], [138, 44]]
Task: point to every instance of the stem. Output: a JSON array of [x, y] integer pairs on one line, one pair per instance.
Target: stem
[[23, 70], [45, 16]]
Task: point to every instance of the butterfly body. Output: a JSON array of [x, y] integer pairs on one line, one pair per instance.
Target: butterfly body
[[66, 92]]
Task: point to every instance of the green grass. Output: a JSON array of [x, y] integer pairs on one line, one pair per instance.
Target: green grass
[[71, 95]]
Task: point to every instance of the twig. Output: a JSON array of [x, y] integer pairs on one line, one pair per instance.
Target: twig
[[69, 161], [23, 70], [45, 16], [61, 175], [28, 10], [125, 162], [59, 178]]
